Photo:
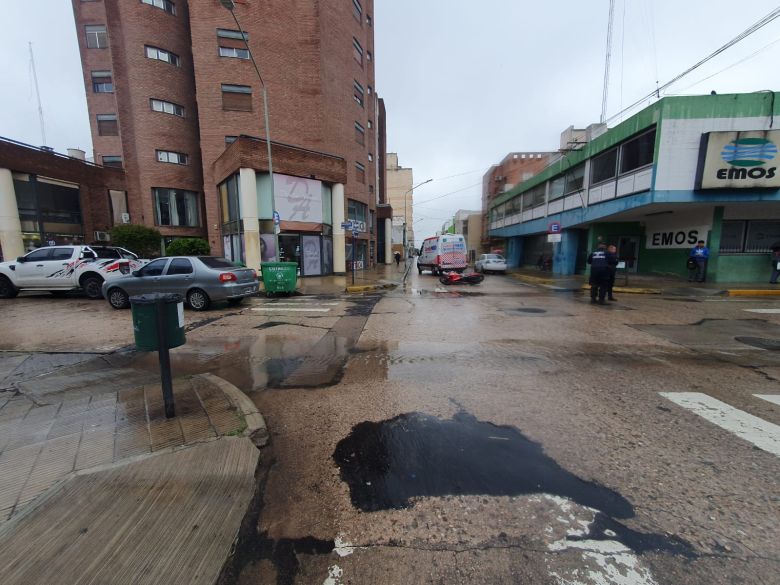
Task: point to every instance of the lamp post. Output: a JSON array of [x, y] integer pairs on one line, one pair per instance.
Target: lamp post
[[230, 5], [406, 227]]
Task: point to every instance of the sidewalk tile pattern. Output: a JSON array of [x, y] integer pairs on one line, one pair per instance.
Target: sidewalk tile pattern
[[41, 445]]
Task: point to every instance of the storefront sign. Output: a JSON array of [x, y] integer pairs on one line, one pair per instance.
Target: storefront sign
[[687, 237], [739, 160], [554, 238], [298, 199]]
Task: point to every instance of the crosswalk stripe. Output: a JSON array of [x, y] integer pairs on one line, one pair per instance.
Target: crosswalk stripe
[[296, 310], [773, 398], [757, 431]]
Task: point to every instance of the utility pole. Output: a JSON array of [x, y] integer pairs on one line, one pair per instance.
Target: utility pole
[[37, 95]]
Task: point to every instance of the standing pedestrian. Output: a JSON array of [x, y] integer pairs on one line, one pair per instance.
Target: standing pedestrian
[[699, 254], [612, 262], [397, 257], [775, 259], [599, 274]]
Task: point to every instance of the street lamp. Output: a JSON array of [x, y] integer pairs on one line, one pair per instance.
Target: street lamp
[[230, 5], [406, 199]]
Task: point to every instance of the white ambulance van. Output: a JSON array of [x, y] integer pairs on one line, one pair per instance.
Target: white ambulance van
[[443, 253]]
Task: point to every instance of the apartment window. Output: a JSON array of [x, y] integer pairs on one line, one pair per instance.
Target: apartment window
[[556, 187], [162, 55], [370, 157], [575, 178], [97, 37], [369, 20], [166, 5], [357, 51], [637, 152], [230, 139], [112, 161], [356, 210], [107, 125], [233, 52], [370, 124], [236, 97], [357, 10], [534, 197], [370, 90], [168, 156], [166, 107], [102, 82], [604, 166], [360, 172], [224, 33], [358, 93], [360, 133], [176, 207], [369, 56]]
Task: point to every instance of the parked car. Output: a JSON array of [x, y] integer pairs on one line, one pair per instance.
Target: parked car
[[59, 269], [200, 280], [491, 263], [442, 253]]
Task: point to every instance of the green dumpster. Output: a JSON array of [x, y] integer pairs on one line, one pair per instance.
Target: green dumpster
[[145, 320], [279, 277]]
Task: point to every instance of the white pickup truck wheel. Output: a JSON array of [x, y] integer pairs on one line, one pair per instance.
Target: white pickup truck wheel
[[7, 289], [92, 286]]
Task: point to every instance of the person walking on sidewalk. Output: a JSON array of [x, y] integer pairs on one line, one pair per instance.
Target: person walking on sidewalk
[[775, 259], [599, 274], [612, 262], [397, 257], [699, 254]]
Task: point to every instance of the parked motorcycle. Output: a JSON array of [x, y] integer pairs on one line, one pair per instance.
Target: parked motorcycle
[[457, 278]]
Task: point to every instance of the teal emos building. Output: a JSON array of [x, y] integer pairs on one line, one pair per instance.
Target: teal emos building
[[681, 170]]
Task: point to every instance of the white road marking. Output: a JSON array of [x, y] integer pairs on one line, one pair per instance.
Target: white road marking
[[773, 398], [280, 309], [757, 431], [765, 311]]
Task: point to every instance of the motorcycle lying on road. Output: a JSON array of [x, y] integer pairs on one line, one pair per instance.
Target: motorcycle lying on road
[[456, 278]]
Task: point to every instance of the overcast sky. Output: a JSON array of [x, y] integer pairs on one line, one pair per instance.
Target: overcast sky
[[464, 82]]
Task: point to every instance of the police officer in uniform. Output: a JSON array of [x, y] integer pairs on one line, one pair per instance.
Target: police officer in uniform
[[599, 274]]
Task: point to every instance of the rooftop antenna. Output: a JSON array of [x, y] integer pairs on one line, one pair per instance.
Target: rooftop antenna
[[37, 94], [606, 63]]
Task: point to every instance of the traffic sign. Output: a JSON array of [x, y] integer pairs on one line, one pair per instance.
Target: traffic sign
[[553, 238], [277, 218], [554, 228], [347, 225]]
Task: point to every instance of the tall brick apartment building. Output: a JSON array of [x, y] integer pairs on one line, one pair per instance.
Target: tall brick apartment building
[[174, 99], [515, 168]]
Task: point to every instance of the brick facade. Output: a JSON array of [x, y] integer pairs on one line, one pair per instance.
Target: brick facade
[[305, 53]]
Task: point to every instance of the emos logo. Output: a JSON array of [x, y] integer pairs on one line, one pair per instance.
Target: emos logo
[[749, 152]]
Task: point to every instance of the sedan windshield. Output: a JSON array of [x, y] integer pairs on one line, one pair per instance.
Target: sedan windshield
[[493, 257]]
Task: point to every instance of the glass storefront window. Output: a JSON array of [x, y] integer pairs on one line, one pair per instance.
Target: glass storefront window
[[603, 167]]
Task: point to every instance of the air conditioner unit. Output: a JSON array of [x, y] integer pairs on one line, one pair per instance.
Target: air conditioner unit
[[102, 236]]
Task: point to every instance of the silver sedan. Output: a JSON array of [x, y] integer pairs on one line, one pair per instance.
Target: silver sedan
[[200, 280]]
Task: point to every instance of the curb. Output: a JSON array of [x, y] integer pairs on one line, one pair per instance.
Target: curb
[[739, 292], [360, 288], [628, 290], [256, 429], [532, 279]]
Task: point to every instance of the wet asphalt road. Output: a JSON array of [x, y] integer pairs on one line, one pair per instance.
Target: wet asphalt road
[[500, 433], [510, 434]]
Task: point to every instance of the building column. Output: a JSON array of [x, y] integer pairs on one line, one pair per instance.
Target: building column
[[10, 226], [565, 253], [713, 244], [247, 189], [514, 252], [388, 241], [337, 209]]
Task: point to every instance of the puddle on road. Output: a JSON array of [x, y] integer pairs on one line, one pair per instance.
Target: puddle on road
[[760, 342], [387, 464]]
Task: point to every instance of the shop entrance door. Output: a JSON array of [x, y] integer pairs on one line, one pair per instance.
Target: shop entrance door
[[628, 251]]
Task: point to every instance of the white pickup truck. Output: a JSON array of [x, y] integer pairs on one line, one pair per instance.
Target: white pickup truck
[[59, 269]]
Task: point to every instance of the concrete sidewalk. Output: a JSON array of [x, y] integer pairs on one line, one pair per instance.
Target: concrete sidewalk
[[101, 487], [375, 278]]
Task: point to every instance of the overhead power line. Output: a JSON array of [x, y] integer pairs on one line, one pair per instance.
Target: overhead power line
[[450, 193], [743, 35]]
